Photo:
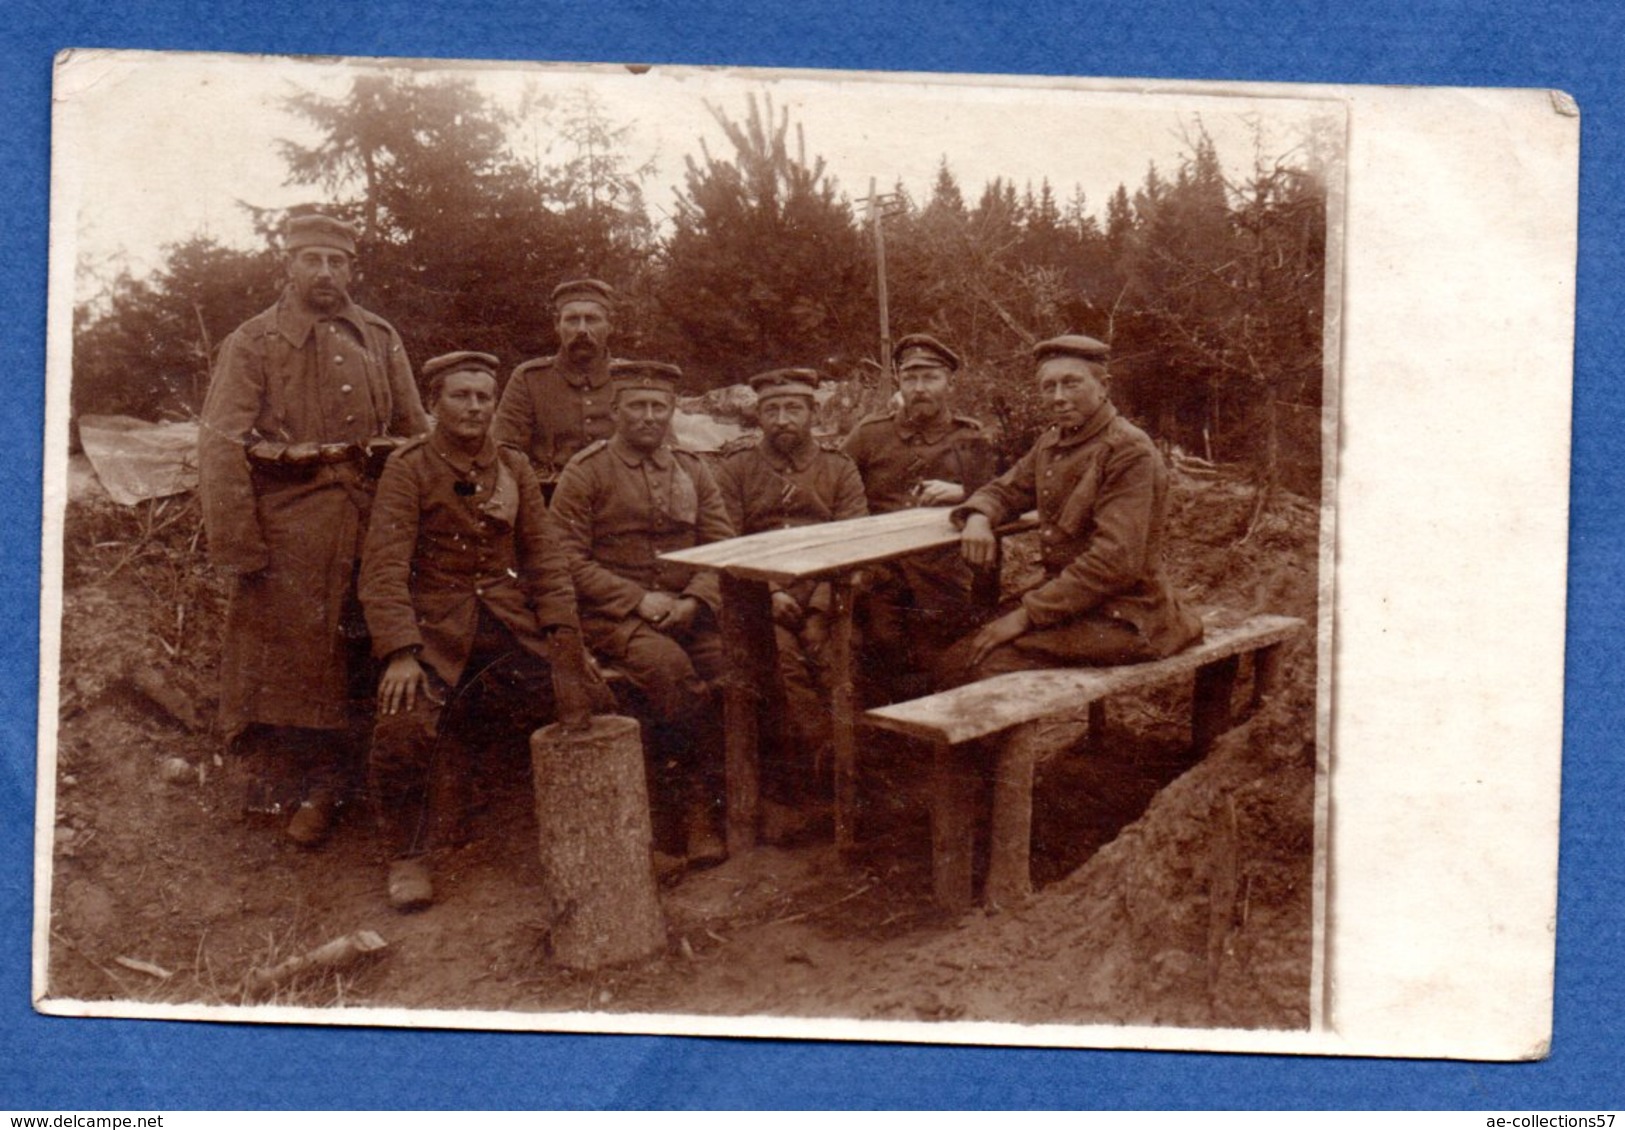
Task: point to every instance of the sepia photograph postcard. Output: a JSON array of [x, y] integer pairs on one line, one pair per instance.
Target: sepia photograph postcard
[[836, 555]]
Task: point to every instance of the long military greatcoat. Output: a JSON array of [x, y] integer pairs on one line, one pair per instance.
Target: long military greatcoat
[[293, 536]]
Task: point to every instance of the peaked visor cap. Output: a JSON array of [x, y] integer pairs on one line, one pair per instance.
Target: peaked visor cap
[[922, 351], [317, 230]]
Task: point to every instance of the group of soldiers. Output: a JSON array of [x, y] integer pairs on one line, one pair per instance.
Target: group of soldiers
[[382, 551]]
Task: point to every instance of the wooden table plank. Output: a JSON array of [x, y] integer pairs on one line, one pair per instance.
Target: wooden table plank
[[829, 547], [994, 705]]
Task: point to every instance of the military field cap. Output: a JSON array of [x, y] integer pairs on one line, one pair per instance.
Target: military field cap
[[654, 375], [316, 230], [584, 290], [1073, 345], [922, 351], [464, 362], [785, 382]]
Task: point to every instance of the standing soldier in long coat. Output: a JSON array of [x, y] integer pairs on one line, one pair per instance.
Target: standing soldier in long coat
[[620, 504], [469, 601], [303, 398], [785, 480], [554, 406]]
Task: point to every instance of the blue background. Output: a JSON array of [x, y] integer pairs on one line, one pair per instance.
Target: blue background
[[77, 1064]]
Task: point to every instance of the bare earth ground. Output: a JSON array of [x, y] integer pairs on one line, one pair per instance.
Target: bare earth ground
[[1169, 893]]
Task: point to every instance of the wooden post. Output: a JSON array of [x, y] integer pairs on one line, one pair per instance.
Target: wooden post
[[592, 816], [1210, 705], [953, 825], [749, 650], [1009, 876], [841, 710], [1266, 670]]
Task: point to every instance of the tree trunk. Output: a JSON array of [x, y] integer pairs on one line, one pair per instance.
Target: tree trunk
[[592, 813]]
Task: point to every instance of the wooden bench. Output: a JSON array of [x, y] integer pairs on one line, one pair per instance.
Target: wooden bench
[[1015, 705]]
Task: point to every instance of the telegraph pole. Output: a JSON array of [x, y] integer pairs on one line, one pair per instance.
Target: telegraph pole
[[879, 208]]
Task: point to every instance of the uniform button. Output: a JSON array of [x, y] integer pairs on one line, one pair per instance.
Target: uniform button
[[349, 419], [344, 388], [478, 591], [337, 360]]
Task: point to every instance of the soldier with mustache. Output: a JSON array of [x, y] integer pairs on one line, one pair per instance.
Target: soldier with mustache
[[920, 454], [554, 406]]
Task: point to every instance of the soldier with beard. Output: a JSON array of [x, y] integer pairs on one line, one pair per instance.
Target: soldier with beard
[[788, 480], [554, 406], [921, 454]]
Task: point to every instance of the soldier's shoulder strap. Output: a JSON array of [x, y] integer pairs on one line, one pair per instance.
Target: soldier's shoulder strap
[[738, 445], [873, 419], [970, 422], [534, 365], [588, 452]]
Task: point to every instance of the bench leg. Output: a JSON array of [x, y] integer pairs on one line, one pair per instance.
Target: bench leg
[[1266, 673], [1095, 737], [953, 825], [1009, 874], [1210, 705]]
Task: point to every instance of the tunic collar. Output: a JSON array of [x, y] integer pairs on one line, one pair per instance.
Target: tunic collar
[[661, 456], [295, 322], [1084, 432], [461, 462]]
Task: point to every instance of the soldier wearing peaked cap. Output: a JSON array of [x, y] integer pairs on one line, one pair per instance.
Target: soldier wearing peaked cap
[[300, 395], [1101, 492], [786, 479], [620, 503], [920, 454], [554, 406], [470, 605]]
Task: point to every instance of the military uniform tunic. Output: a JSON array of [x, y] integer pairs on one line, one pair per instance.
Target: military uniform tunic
[[551, 409], [1101, 491], [767, 490], [615, 510], [293, 536], [916, 605]]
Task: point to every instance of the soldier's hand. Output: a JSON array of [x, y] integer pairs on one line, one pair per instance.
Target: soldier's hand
[[404, 679], [786, 610], [656, 607], [682, 615], [572, 701], [977, 542], [937, 492], [999, 632]]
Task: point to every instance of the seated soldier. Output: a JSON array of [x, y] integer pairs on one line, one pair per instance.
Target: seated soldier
[[1101, 491], [620, 504], [460, 585], [786, 479], [920, 454]]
